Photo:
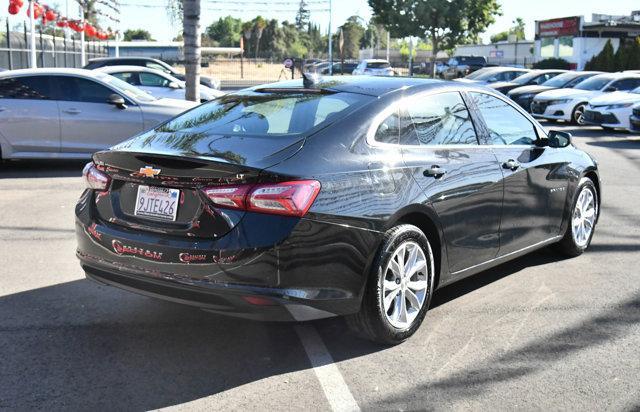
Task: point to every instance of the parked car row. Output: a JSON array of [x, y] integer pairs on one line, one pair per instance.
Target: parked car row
[[583, 98]]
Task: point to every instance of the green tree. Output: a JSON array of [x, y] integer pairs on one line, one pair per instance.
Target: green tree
[[517, 29], [444, 22], [226, 31], [603, 61], [137, 34], [302, 17], [259, 24]]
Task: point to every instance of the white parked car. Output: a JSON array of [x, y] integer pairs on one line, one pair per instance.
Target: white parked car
[[373, 67], [72, 113], [612, 110], [569, 104], [634, 119], [157, 83]]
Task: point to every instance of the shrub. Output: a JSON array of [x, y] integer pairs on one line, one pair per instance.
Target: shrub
[[552, 63]]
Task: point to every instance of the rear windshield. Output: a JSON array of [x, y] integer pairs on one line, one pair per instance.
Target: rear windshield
[[561, 79], [594, 83], [526, 78], [378, 65], [274, 114]]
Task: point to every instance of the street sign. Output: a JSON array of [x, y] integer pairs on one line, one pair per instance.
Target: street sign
[[288, 63]]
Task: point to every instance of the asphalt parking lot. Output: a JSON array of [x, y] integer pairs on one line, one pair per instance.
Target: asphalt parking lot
[[536, 333]]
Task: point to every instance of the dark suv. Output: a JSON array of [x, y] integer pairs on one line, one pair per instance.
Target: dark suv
[[460, 66], [150, 63]]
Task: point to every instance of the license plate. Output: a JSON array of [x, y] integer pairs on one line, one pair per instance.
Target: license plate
[[157, 203]]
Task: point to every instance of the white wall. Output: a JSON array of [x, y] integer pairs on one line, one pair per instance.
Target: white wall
[[584, 48]]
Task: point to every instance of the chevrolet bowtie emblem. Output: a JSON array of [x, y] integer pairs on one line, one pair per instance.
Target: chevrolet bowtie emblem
[[149, 171]]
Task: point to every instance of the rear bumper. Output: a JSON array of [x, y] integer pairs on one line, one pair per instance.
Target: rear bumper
[[300, 269]]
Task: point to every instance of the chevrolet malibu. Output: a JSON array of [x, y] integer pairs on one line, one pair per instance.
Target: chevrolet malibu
[[352, 197]]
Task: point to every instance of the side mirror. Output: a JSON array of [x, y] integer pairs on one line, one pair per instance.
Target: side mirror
[[610, 89], [558, 139], [174, 85], [117, 100]]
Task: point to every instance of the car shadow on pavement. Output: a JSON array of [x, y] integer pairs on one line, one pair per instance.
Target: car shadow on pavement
[[43, 168], [80, 345]]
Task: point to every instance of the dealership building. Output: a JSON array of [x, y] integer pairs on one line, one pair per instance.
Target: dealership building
[[577, 41]]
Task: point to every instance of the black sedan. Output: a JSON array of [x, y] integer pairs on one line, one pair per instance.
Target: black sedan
[[524, 95], [353, 196], [532, 78]]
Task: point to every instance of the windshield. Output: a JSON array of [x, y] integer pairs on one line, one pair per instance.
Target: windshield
[[594, 83], [282, 112], [378, 65], [125, 88], [560, 80], [482, 74], [526, 78]]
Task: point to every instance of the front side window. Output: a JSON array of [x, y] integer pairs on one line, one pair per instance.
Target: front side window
[[626, 84], [131, 78], [27, 88], [76, 89], [438, 119], [506, 125], [153, 80]]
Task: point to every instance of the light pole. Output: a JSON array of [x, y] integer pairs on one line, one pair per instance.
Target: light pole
[[32, 35], [83, 57], [330, 43]]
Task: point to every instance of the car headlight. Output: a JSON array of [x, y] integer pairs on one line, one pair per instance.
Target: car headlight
[[559, 101], [618, 106]]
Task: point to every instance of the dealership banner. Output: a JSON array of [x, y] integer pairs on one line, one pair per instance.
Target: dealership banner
[[566, 26]]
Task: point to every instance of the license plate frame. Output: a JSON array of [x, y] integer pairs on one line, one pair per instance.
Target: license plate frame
[[158, 203]]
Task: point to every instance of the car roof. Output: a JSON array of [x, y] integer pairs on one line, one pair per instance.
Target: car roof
[[376, 86], [50, 71], [125, 68], [376, 60], [104, 59]]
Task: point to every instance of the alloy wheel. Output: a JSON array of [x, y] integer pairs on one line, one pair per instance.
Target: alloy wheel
[[578, 115], [584, 217], [405, 285]]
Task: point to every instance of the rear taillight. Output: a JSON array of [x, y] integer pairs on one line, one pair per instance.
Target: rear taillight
[[286, 198], [95, 179]]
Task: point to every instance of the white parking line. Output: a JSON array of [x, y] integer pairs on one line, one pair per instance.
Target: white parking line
[[335, 389]]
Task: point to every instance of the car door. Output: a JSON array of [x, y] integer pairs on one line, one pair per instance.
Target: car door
[[461, 178], [29, 119], [87, 122], [535, 177]]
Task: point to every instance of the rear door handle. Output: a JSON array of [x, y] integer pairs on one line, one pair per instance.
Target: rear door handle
[[511, 165], [72, 111], [434, 171]]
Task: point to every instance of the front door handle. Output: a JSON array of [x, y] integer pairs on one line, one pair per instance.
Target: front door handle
[[511, 165], [434, 171], [72, 111]]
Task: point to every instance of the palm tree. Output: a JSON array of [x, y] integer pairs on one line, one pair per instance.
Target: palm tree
[[192, 56], [260, 24]]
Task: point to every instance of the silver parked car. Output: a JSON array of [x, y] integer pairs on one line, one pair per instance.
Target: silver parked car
[[157, 83], [72, 113]]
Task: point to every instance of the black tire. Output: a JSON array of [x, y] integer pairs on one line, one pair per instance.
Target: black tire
[[568, 246], [574, 114], [371, 322]]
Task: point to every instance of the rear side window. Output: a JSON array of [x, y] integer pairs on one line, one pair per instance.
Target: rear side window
[[388, 130], [28, 88], [437, 119], [272, 113], [507, 126]]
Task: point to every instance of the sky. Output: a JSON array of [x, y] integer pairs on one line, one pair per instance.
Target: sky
[[154, 16]]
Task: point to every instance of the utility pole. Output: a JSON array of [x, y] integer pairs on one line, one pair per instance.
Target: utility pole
[[32, 35], [388, 41], [330, 43]]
